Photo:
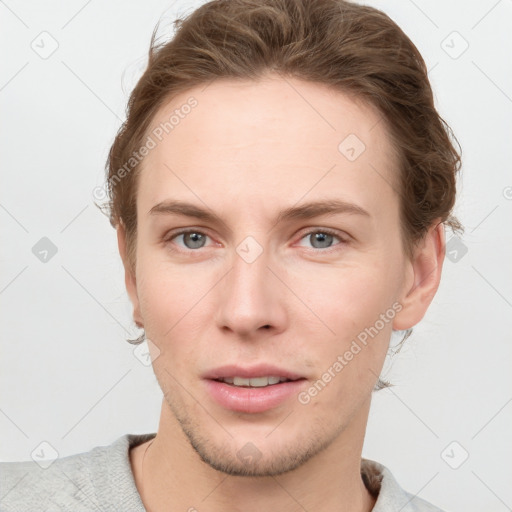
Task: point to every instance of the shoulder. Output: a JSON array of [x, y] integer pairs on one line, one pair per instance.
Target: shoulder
[[100, 479], [390, 496]]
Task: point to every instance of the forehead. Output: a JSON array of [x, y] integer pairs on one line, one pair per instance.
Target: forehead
[[277, 135]]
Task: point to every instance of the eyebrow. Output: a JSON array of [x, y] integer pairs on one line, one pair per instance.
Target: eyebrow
[[302, 212]]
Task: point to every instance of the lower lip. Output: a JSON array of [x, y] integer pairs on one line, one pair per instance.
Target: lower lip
[[252, 400]]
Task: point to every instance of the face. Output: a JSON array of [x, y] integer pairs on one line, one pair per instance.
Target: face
[[268, 245]]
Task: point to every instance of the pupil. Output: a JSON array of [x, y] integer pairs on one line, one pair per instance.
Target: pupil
[[323, 239], [196, 240]]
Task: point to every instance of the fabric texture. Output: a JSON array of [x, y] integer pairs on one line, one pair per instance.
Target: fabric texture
[[102, 480]]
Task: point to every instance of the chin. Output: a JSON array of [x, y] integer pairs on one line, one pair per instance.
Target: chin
[[250, 461], [259, 456], [253, 449]]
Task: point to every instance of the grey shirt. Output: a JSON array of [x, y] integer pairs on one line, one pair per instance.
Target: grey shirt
[[102, 480]]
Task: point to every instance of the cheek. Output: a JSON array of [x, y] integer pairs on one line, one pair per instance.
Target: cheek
[[356, 303], [168, 291], [351, 298], [172, 303]]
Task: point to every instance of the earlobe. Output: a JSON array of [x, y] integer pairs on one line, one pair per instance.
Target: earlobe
[[426, 264], [129, 276]]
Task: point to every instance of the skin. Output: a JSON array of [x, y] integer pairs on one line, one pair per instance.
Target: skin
[[246, 152]]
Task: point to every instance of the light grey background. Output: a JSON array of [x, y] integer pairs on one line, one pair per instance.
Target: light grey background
[[68, 377]]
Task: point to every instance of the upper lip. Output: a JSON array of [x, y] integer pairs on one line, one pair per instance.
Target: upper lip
[[249, 372]]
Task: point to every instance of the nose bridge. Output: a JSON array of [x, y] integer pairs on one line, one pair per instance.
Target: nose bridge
[[249, 277], [250, 299]]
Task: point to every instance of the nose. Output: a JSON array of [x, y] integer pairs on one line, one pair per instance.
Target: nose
[[252, 300]]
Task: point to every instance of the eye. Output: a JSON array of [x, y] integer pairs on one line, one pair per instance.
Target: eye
[[321, 239], [191, 239]]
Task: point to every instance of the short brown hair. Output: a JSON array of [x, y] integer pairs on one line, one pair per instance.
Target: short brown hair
[[353, 48]]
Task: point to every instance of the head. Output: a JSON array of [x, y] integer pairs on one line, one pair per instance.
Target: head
[[297, 145]]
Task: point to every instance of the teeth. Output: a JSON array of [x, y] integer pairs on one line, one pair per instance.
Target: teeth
[[240, 381], [255, 382]]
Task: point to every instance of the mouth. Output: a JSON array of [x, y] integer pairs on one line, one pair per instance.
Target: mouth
[[252, 389], [254, 382]]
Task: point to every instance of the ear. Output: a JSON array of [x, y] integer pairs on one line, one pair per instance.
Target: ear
[[129, 275], [425, 265]]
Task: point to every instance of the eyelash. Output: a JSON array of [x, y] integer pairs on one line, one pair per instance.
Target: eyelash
[[326, 231]]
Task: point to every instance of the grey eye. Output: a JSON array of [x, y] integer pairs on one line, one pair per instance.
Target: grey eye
[[193, 240], [320, 240]]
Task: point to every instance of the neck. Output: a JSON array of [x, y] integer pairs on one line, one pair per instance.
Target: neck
[[174, 478]]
